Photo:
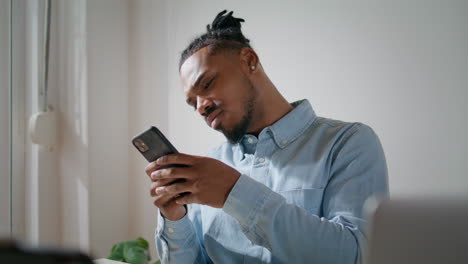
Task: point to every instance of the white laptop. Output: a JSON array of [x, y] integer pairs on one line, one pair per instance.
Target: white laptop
[[424, 231]]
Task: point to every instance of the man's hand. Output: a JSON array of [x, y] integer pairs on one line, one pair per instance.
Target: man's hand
[[207, 181], [165, 202]]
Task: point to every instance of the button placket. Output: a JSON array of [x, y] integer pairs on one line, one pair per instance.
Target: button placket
[[260, 166], [265, 148]]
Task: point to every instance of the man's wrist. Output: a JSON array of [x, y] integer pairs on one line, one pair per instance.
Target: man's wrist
[[174, 229], [176, 216], [232, 186]]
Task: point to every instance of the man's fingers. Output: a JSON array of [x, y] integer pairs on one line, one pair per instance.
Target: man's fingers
[[166, 203], [164, 182], [174, 189], [152, 166], [161, 200], [171, 173], [170, 205], [176, 158], [167, 173], [157, 184], [186, 199]]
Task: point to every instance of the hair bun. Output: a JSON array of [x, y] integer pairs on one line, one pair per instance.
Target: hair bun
[[222, 22]]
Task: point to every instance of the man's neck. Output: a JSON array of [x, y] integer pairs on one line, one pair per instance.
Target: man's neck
[[269, 111]]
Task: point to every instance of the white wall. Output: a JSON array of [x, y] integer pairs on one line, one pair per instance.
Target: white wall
[[107, 35], [148, 104]]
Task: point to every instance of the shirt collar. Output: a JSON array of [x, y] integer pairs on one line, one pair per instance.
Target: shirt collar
[[286, 129], [293, 124]]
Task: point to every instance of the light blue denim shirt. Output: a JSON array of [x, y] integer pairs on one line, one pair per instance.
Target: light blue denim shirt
[[299, 199]]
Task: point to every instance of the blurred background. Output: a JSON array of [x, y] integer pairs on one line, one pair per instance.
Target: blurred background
[[399, 66]]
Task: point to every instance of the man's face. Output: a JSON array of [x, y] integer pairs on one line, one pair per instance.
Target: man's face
[[219, 90]]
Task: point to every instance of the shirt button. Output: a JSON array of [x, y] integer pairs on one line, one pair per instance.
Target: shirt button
[[170, 229], [261, 160], [250, 140], [284, 142]]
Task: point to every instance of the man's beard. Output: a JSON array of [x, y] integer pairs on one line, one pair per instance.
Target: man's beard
[[235, 135]]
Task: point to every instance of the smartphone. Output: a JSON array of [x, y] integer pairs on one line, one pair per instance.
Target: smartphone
[[152, 144]]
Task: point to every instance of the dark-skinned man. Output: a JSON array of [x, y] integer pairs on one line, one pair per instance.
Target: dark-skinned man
[[287, 186]]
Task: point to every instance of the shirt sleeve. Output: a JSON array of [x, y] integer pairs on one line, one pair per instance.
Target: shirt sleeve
[[358, 171], [178, 241]]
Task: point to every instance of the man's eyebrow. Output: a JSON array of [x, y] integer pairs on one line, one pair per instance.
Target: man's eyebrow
[[195, 85], [199, 79]]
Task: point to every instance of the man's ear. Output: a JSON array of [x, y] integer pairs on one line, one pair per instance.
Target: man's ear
[[249, 61]]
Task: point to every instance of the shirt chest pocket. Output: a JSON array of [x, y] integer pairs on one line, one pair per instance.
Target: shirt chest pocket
[[308, 199]]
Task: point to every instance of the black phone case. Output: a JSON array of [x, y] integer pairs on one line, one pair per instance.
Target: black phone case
[[158, 145]]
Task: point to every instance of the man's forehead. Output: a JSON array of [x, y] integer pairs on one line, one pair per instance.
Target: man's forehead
[[194, 66]]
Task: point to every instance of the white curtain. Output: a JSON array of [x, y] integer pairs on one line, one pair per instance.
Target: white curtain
[[77, 194]]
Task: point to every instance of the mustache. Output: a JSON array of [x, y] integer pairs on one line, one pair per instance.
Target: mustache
[[209, 111]]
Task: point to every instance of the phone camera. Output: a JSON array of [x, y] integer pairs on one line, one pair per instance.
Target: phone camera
[[142, 147]]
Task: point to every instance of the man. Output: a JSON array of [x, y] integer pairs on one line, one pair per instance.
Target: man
[[287, 187]]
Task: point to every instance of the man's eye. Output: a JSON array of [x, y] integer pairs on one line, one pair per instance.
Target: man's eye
[[207, 85]]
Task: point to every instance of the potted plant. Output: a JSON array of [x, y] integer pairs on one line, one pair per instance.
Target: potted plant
[[132, 251]]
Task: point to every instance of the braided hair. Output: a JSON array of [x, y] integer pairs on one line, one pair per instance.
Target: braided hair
[[224, 33]]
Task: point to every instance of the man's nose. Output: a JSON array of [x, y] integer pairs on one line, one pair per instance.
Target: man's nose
[[203, 105]]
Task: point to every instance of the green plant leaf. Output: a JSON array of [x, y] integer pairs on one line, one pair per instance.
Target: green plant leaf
[[142, 243], [117, 252], [132, 251], [135, 254]]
